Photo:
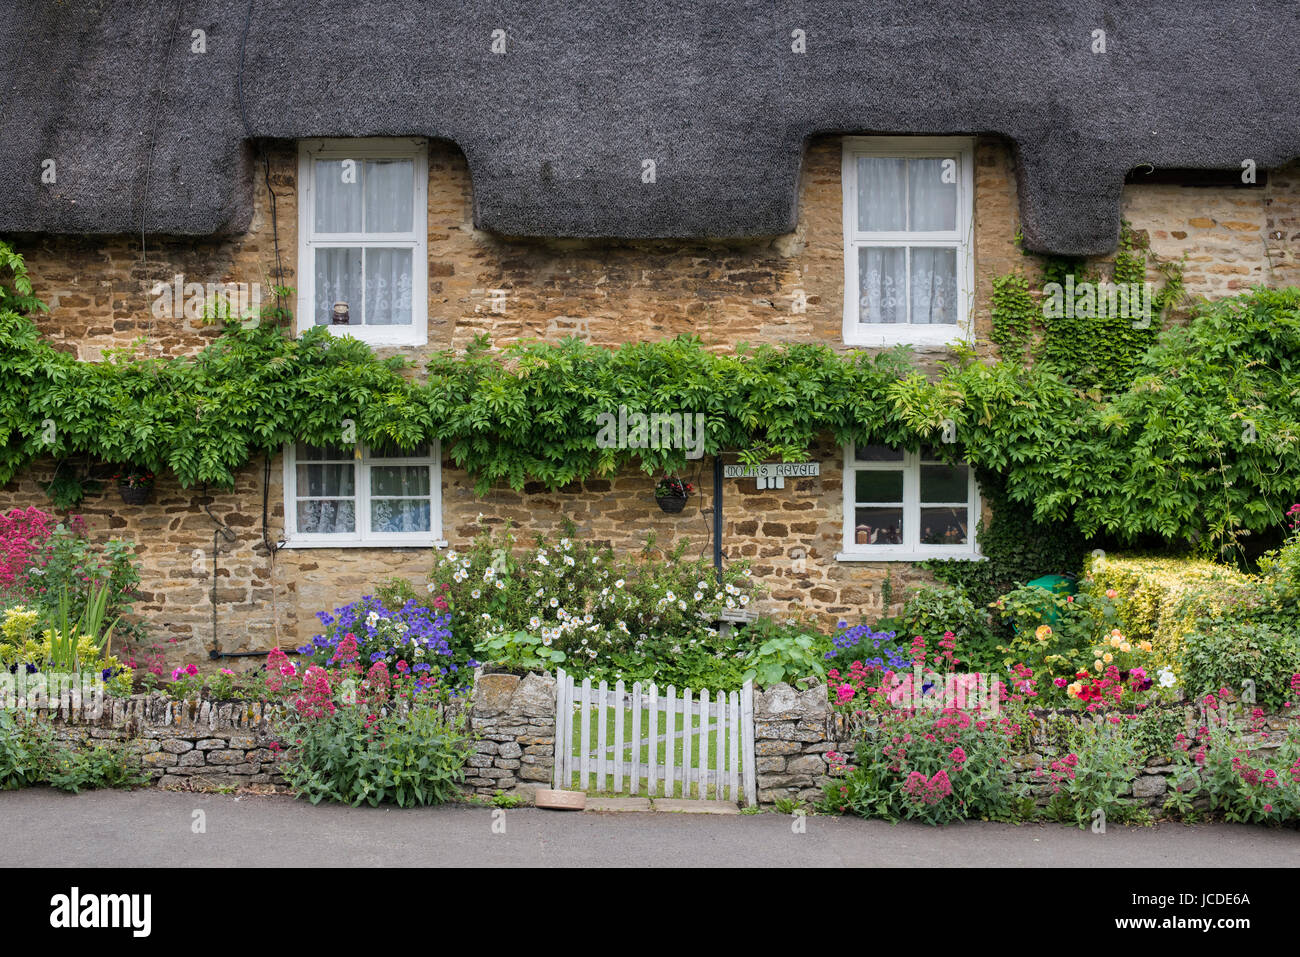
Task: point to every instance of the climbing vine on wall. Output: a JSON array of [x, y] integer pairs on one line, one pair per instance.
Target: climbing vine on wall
[[1204, 441], [1089, 327]]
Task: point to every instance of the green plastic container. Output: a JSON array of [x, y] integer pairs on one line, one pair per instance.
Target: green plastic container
[[1057, 584]]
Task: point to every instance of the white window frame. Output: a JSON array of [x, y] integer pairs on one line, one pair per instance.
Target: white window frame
[[962, 239], [417, 333], [911, 550], [363, 537]]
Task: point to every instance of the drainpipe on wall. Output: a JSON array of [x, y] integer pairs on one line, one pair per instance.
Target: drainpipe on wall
[[221, 530]]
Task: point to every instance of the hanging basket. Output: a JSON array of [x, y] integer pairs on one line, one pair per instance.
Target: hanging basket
[[135, 494], [671, 503]]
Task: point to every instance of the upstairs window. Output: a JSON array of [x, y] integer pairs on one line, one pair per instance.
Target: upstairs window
[[907, 223], [907, 505], [335, 495], [363, 230]]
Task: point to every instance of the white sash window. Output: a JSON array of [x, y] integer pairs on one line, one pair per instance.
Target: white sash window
[[337, 496], [363, 227], [907, 506], [907, 240]]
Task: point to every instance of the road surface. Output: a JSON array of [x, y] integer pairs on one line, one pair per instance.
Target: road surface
[[157, 828]]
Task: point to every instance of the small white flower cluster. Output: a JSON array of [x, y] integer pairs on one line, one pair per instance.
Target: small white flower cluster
[[571, 600]]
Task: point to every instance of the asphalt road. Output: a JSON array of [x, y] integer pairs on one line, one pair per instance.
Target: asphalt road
[[155, 828]]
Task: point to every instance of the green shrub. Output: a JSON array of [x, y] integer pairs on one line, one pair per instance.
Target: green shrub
[[30, 755], [1162, 600], [930, 767], [1251, 659], [933, 610], [21, 756], [1053, 633], [408, 757], [101, 765], [1224, 764], [651, 616], [1091, 781], [74, 564]]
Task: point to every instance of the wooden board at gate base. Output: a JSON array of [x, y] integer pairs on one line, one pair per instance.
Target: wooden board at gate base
[[561, 800]]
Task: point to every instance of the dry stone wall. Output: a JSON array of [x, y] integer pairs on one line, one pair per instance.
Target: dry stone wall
[[514, 721], [197, 743], [796, 728], [208, 744]]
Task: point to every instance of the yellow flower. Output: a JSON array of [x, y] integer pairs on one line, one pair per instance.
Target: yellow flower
[[1074, 689], [1115, 641], [1125, 647], [1116, 633], [1096, 665], [1108, 657], [1144, 645], [1043, 632]]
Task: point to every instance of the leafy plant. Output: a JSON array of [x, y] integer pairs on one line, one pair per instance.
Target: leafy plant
[[932, 611], [1215, 397], [1095, 776], [786, 657], [650, 616], [20, 761], [30, 755], [929, 767], [101, 765], [521, 650], [1253, 659], [408, 757], [1224, 764]]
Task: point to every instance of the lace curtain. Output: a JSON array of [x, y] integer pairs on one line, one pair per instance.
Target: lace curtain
[[376, 281], [899, 195]]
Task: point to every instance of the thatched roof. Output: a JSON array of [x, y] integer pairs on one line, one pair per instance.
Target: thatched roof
[[556, 128]]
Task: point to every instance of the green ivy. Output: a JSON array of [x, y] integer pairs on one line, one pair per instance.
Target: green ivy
[[1203, 441], [1016, 548], [1014, 312]]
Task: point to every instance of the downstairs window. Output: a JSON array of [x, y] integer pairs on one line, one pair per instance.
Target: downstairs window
[[907, 506], [335, 495]]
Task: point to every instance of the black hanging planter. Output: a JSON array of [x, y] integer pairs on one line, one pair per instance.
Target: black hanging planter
[[672, 493], [135, 487], [671, 503], [135, 494]]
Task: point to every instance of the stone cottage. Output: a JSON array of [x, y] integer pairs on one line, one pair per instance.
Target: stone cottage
[[848, 174]]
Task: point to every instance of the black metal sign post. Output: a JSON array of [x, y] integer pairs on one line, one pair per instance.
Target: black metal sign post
[[717, 516]]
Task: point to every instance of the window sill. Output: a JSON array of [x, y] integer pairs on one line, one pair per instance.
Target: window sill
[[899, 334], [377, 335], [920, 555], [424, 543]]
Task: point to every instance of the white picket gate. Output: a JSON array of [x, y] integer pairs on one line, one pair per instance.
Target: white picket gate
[[636, 737]]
